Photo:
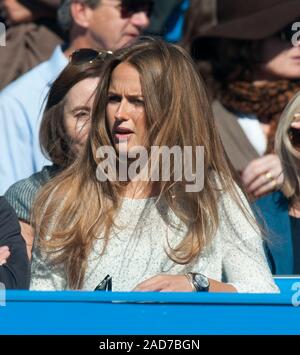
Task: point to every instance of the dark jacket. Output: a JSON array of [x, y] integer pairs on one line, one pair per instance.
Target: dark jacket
[[163, 11], [15, 274]]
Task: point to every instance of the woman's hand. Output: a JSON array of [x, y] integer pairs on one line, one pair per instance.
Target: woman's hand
[[165, 283], [4, 254], [263, 175], [178, 283]]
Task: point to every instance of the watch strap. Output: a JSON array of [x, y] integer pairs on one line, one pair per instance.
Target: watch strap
[[190, 280]]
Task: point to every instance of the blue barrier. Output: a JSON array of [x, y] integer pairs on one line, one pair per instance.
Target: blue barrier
[[113, 313], [287, 283]]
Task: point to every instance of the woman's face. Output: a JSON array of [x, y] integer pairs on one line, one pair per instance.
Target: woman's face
[[280, 60], [125, 110], [77, 111]]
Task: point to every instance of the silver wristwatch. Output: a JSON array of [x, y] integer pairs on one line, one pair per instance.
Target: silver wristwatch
[[199, 281]]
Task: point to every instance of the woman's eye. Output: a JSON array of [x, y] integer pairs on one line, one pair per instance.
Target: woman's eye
[[82, 114], [138, 102], [114, 98]]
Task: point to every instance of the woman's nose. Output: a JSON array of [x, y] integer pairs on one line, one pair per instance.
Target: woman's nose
[[122, 112]]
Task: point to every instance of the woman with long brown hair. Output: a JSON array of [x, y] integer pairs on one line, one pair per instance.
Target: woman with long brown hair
[[148, 234], [63, 131]]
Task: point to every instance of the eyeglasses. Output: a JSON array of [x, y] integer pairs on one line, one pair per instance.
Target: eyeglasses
[[105, 284], [294, 133], [88, 55], [287, 33], [131, 7], [294, 136]]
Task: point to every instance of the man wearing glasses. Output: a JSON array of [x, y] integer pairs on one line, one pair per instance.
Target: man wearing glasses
[[111, 24], [98, 24]]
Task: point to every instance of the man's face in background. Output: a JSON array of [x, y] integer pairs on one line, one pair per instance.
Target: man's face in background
[[115, 23]]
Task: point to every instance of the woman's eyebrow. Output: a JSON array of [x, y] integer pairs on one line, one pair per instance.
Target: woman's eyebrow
[[78, 108], [131, 96], [135, 96]]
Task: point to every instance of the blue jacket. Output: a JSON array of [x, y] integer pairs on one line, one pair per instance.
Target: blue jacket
[[273, 210]]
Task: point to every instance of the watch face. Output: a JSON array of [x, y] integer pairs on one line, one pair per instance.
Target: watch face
[[202, 281]]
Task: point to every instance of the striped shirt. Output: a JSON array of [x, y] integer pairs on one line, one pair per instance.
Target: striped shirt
[[22, 194]]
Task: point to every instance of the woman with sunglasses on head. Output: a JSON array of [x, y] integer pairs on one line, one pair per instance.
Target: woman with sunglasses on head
[[99, 218], [64, 129], [256, 71]]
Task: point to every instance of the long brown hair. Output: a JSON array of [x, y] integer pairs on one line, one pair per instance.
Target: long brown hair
[[77, 207]]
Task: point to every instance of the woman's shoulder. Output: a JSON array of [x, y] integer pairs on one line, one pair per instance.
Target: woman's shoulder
[[22, 194], [35, 181]]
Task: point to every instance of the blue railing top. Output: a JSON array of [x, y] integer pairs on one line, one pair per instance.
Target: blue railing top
[[285, 285], [147, 297], [79, 312]]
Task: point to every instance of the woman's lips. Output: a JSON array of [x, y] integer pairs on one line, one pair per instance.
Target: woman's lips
[[122, 133], [132, 35], [122, 136]]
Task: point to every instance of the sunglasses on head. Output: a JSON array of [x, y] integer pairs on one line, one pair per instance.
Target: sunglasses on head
[[88, 55], [131, 7], [294, 133], [287, 32], [294, 136]]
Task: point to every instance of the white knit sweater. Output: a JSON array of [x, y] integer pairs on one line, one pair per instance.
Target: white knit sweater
[[136, 252]]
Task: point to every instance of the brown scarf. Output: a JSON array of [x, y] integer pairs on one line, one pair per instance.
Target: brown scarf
[[266, 101]]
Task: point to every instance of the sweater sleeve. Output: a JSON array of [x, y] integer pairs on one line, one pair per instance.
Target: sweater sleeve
[[244, 262], [15, 274]]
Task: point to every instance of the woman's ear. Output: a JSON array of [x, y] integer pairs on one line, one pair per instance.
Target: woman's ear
[[81, 13]]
